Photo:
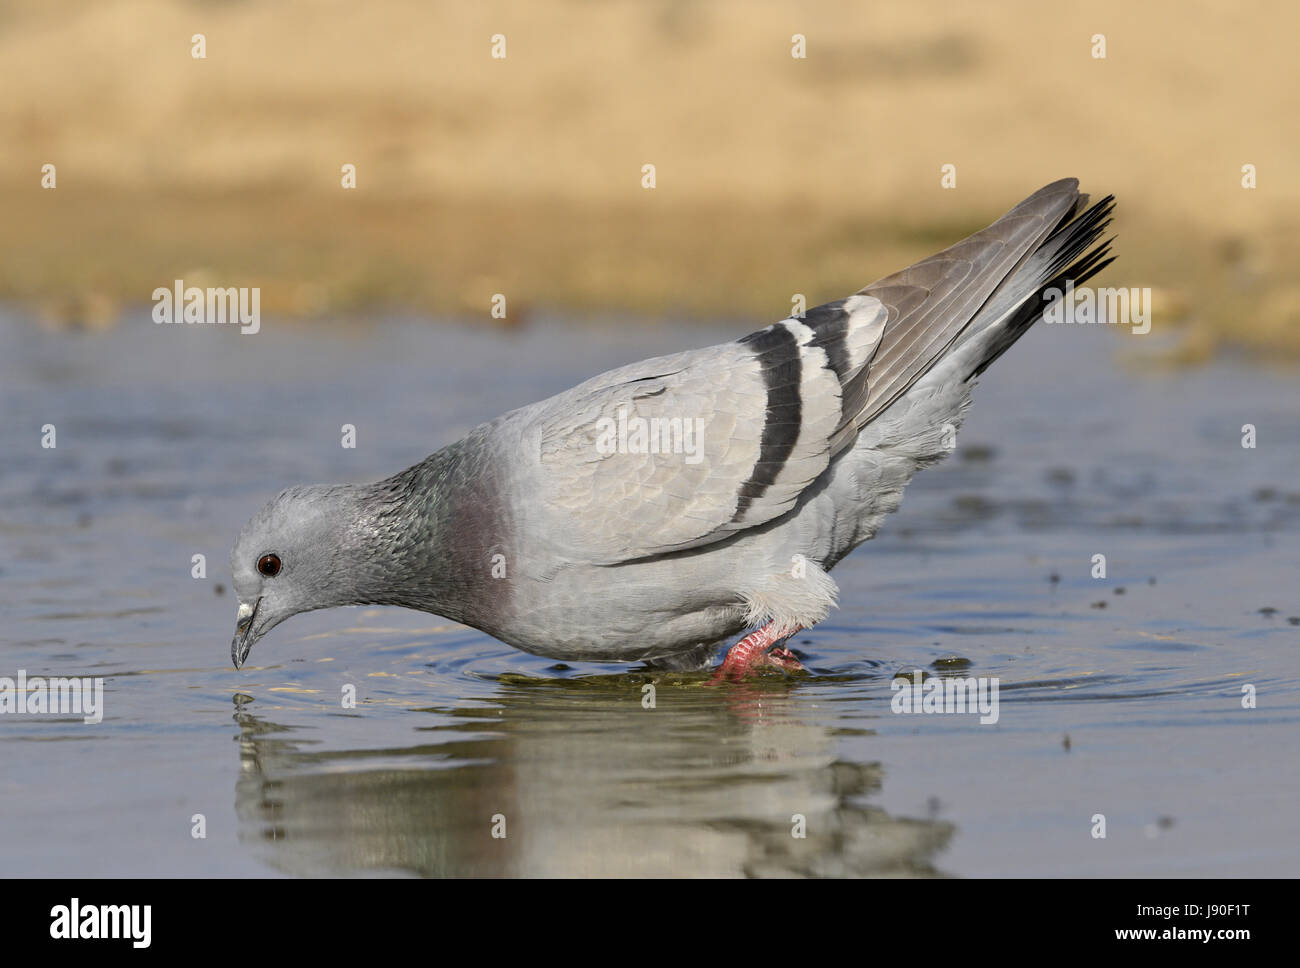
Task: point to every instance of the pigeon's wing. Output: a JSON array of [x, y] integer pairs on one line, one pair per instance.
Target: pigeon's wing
[[684, 450]]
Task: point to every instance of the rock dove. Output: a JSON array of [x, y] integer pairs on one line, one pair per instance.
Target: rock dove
[[658, 509]]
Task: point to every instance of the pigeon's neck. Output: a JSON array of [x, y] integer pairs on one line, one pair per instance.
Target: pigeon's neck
[[413, 533]]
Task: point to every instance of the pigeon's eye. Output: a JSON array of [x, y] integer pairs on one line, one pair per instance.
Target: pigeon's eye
[[269, 565]]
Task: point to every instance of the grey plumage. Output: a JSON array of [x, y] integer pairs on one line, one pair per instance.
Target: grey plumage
[[547, 529]]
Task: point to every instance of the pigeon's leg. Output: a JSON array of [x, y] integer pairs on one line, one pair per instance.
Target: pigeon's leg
[[756, 651]]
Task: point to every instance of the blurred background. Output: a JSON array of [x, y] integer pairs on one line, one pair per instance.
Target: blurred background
[[522, 175]]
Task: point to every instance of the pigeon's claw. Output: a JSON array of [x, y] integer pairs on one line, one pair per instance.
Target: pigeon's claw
[[761, 648], [783, 658]]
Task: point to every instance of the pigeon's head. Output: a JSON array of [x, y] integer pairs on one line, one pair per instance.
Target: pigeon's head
[[289, 558]]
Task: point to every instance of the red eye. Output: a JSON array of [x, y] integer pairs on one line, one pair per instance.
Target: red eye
[[269, 565]]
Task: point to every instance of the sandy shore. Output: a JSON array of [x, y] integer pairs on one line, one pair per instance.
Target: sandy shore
[[523, 175]]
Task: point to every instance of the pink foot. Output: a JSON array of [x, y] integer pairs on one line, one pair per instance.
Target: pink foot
[[755, 651]]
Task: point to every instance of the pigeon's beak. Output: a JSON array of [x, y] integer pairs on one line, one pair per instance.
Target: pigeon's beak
[[244, 634]]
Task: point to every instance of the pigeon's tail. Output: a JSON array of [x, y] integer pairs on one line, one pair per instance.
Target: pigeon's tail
[[1071, 254]]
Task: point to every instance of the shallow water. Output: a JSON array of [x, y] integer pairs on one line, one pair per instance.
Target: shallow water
[[168, 438]]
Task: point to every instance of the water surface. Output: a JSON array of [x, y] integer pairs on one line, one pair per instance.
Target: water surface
[[1118, 696]]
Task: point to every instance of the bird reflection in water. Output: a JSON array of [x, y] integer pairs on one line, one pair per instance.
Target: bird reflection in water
[[576, 777]]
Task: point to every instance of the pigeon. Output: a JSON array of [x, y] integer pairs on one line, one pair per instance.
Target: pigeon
[[655, 511]]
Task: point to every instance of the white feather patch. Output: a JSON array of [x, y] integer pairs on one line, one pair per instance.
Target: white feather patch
[[796, 597], [867, 316]]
